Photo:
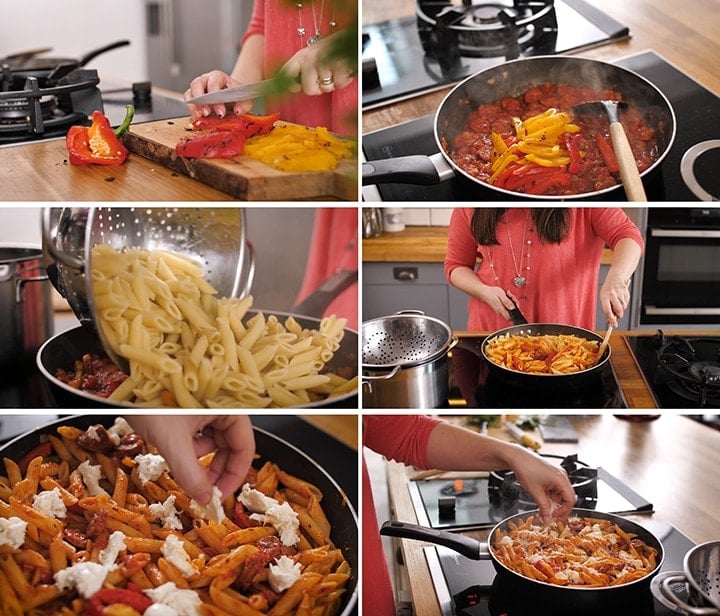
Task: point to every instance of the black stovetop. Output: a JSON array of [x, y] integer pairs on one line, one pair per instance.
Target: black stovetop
[[395, 47], [471, 386], [471, 588], [672, 386], [697, 120]]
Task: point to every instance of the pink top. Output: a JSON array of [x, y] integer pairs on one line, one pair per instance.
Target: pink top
[[403, 438], [333, 248], [562, 282], [336, 110]]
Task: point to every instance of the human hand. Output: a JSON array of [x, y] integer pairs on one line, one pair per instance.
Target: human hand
[[317, 70], [212, 82], [547, 484], [499, 300], [614, 298], [182, 439]]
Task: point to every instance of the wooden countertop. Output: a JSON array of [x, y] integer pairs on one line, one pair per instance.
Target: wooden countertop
[[669, 461], [687, 38], [416, 245]]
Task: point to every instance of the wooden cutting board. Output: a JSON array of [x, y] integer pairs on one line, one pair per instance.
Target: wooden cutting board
[[240, 177]]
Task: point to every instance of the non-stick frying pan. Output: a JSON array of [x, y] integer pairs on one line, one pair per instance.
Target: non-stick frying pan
[[511, 79], [336, 504], [64, 349], [580, 595], [549, 383]]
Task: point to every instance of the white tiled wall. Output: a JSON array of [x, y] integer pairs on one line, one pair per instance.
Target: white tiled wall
[[427, 217]]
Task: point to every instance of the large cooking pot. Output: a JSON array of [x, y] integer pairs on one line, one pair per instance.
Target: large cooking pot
[[49, 68], [405, 361], [25, 304], [336, 504], [548, 383], [511, 79], [579, 597], [64, 349]]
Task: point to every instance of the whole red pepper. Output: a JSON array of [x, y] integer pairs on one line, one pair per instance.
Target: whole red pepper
[[97, 144]]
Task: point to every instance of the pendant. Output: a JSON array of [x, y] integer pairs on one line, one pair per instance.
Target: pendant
[[314, 39], [519, 281]]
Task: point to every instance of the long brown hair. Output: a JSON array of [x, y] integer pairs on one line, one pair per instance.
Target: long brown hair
[[552, 224]]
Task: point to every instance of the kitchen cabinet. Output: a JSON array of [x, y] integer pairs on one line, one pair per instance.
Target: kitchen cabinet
[[389, 287]]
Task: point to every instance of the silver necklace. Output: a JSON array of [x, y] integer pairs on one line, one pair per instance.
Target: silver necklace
[[317, 21], [520, 280]]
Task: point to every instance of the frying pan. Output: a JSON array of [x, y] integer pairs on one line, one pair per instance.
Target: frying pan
[[62, 350], [24, 65], [580, 595], [336, 504], [548, 383], [511, 79]]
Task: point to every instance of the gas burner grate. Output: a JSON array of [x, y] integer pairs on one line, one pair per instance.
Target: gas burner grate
[[690, 367]]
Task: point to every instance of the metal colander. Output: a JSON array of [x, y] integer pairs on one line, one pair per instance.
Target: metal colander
[[403, 339], [216, 237], [702, 569]]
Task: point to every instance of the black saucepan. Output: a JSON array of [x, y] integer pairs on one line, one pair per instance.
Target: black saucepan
[[549, 383], [336, 504], [64, 349], [579, 595], [44, 68], [511, 79]]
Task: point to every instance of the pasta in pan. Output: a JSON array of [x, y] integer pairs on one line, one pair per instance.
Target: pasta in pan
[[542, 354], [93, 518], [186, 347], [585, 551]]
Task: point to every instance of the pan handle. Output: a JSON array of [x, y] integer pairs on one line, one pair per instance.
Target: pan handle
[[96, 52], [418, 169], [467, 546], [661, 588]]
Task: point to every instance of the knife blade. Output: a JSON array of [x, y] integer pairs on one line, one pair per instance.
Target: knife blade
[[521, 436], [247, 91]]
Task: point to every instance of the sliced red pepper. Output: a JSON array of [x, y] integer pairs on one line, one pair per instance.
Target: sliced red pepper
[[96, 144], [43, 449], [607, 153], [570, 142], [109, 596], [249, 124], [216, 144]]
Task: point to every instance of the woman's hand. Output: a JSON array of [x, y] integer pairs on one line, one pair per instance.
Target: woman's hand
[[317, 70], [212, 82], [548, 485], [499, 300], [614, 297], [182, 439]]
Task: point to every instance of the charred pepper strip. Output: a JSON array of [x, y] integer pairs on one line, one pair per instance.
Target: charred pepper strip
[[98, 144]]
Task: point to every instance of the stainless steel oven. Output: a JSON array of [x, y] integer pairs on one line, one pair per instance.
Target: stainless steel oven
[[679, 283]]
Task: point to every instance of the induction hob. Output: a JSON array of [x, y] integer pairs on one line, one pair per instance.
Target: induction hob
[[697, 113]]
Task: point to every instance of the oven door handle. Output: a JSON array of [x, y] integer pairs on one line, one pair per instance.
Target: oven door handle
[[689, 233], [651, 309]]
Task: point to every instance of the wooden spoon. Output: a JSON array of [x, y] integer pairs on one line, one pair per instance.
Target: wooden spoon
[[629, 174], [604, 343]]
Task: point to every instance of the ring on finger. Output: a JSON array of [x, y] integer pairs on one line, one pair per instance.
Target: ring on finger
[[325, 81]]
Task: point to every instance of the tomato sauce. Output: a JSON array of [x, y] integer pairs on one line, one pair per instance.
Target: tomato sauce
[[472, 148], [93, 374]]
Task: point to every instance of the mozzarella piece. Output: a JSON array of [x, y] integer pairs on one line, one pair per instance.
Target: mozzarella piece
[[91, 475], [185, 602], [50, 503], [213, 511], [150, 466], [269, 511], [283, 573], [174, 551], [116, 544], [12, 532], [86, 577], [119, 429], [166, 513]]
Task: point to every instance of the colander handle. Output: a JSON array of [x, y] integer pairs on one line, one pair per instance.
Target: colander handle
[[382, 377], [410, 311], [48, 237], [665, 594]]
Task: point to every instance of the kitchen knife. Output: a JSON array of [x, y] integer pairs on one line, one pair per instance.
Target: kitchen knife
[[521, 436], [241, 93]]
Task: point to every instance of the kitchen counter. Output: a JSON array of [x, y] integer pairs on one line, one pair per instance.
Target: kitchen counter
[[416, 245], [670, 461], [687, 38]]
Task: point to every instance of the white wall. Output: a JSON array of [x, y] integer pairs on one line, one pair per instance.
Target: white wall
[[75, 27], [20, 225]]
